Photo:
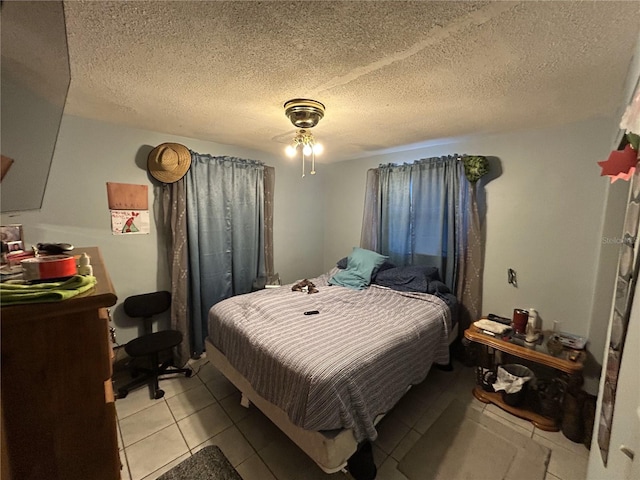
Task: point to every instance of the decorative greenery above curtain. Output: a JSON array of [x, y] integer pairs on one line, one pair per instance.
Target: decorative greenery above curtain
[[220, 221], [425, 213], [475, 167]]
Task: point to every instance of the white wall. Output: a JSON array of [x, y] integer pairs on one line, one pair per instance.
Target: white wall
[[90, 153], [543, 216]]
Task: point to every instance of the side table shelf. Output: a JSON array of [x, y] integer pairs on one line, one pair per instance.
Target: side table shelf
[[541, 422], [569, 362]]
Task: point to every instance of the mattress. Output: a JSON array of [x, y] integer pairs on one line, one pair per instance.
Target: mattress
[[340, 368]]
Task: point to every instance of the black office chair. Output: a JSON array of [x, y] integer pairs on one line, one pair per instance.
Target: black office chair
[[150, 345]]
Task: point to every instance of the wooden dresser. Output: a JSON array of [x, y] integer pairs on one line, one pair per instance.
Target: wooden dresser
[[58, 411]]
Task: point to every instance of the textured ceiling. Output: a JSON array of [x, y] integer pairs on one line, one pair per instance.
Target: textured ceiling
[[391, 74]]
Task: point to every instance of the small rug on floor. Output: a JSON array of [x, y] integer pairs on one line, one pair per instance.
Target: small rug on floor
[[464, 444], [206, 464]]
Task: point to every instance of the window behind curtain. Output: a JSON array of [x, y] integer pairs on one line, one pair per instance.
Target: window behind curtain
[[426, 213], [421, 218]]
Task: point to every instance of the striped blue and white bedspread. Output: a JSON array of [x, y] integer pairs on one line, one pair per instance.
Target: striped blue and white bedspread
[[342, 367]]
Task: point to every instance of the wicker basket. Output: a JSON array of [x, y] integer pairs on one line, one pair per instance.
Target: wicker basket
[[550, 395]]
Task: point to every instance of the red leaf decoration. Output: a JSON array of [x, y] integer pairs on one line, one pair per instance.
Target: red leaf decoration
[[619, 161]]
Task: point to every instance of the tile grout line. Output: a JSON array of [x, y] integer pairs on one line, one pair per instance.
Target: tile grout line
[[175, 422], [255, 451], [215, 400], [124, 450]]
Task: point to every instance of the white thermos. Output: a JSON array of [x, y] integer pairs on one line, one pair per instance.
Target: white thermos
[[533, 319], [532, 327]]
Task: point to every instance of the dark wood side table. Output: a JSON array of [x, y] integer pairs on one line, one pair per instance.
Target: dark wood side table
[[570, 362]]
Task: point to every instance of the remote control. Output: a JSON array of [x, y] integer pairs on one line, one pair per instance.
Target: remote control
[[496, 318], [311, 312]]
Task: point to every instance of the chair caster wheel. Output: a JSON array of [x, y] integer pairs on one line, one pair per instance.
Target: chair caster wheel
[[122, 392], [188, 374], [159, 394]]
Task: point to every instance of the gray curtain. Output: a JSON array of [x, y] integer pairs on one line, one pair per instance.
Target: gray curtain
[[269, 188], [471, 266], [225, 218], [371, 214], [174, 216]]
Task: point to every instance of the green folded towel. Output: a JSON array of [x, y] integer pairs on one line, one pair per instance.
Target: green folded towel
[[12, 294]]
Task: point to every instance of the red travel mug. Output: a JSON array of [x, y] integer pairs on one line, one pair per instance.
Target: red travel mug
[[520, 319]]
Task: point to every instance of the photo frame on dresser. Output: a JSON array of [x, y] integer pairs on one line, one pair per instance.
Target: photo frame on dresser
[[12, 240]]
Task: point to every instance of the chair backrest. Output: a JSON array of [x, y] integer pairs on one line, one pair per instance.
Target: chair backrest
[[147, 305]]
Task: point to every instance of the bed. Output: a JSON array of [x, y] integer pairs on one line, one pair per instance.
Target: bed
[[326, 379]]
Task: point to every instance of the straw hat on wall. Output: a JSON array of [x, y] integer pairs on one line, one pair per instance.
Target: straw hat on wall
[[169, 162]]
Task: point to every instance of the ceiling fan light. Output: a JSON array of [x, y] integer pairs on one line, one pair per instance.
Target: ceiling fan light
[[290, 151], [304, 114]]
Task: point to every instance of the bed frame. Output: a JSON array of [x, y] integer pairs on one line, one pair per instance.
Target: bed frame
[[330, 450]]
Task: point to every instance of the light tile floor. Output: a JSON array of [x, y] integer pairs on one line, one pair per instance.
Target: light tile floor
[[155, 435]]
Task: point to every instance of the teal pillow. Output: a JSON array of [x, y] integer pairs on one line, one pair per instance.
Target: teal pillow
[[360, 265]]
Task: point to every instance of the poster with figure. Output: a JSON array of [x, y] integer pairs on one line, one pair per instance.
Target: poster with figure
[[129, 222]]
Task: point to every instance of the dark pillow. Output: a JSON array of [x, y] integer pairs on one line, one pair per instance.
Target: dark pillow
[[414, 278], [385, 266], [432, 273]]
